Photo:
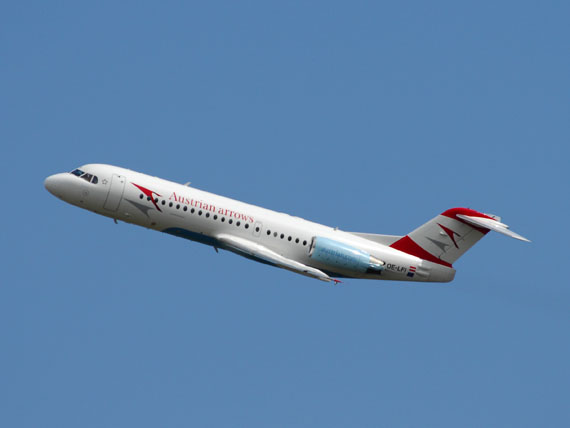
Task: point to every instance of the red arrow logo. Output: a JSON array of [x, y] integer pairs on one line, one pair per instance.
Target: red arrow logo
[[149, 194]]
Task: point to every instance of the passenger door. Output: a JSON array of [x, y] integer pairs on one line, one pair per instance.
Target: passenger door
[[115, 194]]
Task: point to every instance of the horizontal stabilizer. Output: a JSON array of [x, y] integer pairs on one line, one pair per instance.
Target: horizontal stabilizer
[[491, 224]]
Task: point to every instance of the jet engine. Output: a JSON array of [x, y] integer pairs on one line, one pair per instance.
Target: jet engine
[[342, 256]]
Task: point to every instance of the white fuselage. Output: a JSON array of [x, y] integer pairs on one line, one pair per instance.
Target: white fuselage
[[190, 213]]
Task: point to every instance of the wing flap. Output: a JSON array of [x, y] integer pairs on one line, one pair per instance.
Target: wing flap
[[252, 249]]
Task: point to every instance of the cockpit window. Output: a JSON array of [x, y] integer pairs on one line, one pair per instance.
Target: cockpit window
[[90, 178]]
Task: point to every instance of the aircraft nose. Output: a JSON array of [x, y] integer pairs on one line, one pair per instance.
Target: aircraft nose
[[55, 184]]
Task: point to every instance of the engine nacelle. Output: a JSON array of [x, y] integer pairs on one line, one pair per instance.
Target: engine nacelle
[[342, 256]]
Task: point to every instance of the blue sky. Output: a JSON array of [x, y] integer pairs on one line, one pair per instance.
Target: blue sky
[[366, 116]]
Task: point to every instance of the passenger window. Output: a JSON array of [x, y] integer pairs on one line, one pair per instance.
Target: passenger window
[[207, 215], [297, 241], [185, 208], [215, 217], [247, 226], [238, 223], [177, 206], [269, 232], [282, 236], [170, 204], [163, 202]]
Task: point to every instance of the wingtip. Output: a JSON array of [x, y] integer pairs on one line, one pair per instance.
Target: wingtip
[[517, 236]]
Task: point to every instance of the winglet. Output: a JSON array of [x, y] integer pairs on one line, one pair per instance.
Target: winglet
[[492, 224]]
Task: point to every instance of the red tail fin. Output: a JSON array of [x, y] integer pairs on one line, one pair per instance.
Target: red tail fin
[[445, 238]]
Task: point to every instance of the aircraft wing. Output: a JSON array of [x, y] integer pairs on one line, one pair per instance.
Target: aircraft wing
[[261, 253]]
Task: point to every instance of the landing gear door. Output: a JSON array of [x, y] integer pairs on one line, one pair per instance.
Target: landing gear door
[[257, 229], [115, 194]]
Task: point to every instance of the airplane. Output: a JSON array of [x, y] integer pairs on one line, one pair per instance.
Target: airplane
[[426, 254]]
